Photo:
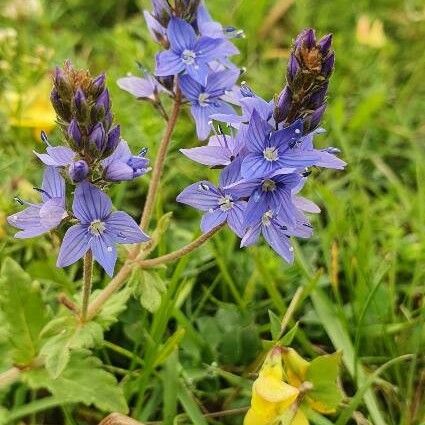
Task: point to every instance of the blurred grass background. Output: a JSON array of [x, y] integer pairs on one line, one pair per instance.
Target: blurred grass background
[[363, 271]]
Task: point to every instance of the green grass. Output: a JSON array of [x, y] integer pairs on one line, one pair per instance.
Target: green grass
[[363, 271]]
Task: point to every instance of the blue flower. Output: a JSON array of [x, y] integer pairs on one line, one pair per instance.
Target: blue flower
[[142, 88], [188, 52], [277, 234], [206, 99], [270, 151], [219, 204], [123, 165], [99, 229], [37, 219]]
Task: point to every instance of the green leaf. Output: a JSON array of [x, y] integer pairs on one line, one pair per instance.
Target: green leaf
[[113, 307], [274, 325], [170, 377], [190, 406], [290, 335], [323, 373], [24, 311], [83, 381], [65, 334], [150, 292]]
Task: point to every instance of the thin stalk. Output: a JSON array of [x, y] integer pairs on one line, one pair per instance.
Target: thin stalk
[[9, 376], [291, 310], [87, 283], [175, 255], [159, 161]]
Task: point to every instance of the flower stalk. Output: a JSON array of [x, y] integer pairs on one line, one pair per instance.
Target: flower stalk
[[87, 283]]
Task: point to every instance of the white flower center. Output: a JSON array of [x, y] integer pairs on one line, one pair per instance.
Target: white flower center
[[265, 220], [225, 202], [203, 99], [188, 57], [268, 185], [271, 154], [97, 227]]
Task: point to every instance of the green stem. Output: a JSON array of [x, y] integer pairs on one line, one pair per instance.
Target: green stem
[[87, 283]]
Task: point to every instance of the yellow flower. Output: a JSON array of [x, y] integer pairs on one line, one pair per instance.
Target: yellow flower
[[33, 108], [370, 33], [271, 397]]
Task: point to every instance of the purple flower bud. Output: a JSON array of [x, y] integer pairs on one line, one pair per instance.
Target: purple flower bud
[[78, 171], [60, 109], [113, 139], [74, 132], [328, 65], [98, 84], [107, 120], [59, 76], [79, 99], [318, 97], [97, 137], [62, 84], [283, 105], [315, 118], [309, 38], [325, 44], [104, 101], [293, 67]]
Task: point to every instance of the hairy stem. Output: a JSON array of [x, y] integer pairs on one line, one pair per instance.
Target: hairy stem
[[87, 283], [175, 255], [9, 377], [159, 162]]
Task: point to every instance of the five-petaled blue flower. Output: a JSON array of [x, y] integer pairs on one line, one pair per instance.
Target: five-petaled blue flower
[[99, 229], [188, 52], [40, 218], [206, 99]]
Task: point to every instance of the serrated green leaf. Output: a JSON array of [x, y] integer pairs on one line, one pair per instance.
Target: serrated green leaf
[[323, 373], [24, 311], [82, 381], [152, 278], [290, 335], [115, 305], [66, 334], [274, 325], [150, 298]]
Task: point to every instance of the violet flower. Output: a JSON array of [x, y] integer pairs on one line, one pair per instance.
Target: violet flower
[[219, 204], [99, 229], [188, 52], [123, 165], [277, 234], [37, 219], [141, 88], [206, 99]]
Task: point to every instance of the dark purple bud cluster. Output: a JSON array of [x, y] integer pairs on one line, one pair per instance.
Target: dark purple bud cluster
[[309, 68], [83, 106]]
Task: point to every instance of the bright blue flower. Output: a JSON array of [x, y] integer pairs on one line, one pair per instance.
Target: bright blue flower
[[277, 234], [188, 52], [206, 99], [99, 229], [123, 165], [219, 204], [37, 219]]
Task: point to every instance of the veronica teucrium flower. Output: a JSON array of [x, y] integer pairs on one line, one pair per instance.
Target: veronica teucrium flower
[[219, 204], [141, 88], [122, 165], [188, 52], [276, 233], [37, 219], [206, 99], [99, 229], [270, 151]]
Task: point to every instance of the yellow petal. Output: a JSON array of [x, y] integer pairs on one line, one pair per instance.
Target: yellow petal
[[274, 390], [300, 419], [319, 406], [295, 366]]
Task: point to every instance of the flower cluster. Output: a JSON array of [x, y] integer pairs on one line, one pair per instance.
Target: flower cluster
[[94, 156], [267, 156], [287, 384], [195, 58]]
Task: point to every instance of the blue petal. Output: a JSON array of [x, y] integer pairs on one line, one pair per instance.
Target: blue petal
[[257, 132], [123, 229], [218, 82], [138, 87], [104, 252], [208, 155], [168, 63], [198, 71], [201, 115], [74, 245], [202, 195], [90, 203], [254, 165], [278, 241], [53, 184], [209, 49], [251, 236], [190, 88], [181, 35], [210, 220], [231, 174], [236, 218]]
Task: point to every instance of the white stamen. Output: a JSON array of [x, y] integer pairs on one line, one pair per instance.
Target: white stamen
[[188, 57], [97, 227], [271, 154], [225, 203]]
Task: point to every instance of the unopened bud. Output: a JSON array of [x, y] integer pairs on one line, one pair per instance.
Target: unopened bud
[[78, 171]]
